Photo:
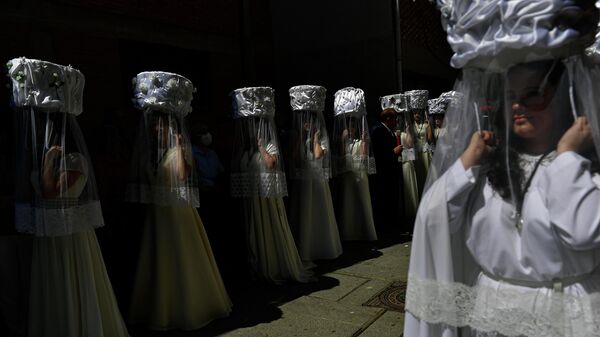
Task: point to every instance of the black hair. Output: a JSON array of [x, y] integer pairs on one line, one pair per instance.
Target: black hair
[[497, 174]]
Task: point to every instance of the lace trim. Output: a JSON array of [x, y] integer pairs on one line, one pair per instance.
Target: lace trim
[[356, 164], [164, 196], [43, 221], [258, 184], [505, 310]]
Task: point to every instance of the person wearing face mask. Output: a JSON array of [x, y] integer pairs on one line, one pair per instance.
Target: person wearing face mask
[[212, 190], [207, 160]]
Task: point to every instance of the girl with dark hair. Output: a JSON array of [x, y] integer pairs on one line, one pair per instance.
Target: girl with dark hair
[[507, 236]]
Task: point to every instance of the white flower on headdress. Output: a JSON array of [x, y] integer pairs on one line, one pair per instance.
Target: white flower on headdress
[[144, 88], [20, 76], [172, 83], [151, 100]]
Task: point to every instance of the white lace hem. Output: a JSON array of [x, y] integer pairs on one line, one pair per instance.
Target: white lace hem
[[45, 221], [265, 184], [505, 309]]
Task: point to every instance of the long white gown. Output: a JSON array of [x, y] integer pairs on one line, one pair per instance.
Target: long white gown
[[71, 294], [411, 187], [471, 266], [311, 212], [422, 153], [178, 284], [273, 253], [354, 211]]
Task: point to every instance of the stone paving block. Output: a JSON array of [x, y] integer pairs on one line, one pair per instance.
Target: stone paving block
[[347, 284], [334, 311], [392, 265], [244, 332], [338, 312], [390, 324], [363, 293], [300, 325], [373, 271]]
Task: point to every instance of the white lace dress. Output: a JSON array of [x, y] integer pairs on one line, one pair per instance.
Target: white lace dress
[[472, 267]]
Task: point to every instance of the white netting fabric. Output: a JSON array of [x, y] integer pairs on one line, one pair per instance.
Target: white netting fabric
[[310, 150], [56, 192], [256, 165], [162, 165], [351, 142]]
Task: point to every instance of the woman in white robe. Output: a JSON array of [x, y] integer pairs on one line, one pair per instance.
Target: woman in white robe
[[514, 256], [353, 162], [57, 201], [312, 217]]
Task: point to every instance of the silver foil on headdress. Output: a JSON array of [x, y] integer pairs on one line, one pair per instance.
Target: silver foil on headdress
[[593, 50], [46, 85], [437, 106], [307, 98], [349, 101], [495, 34], [452, 98], [162, 91], [417, 99], [396, 102], [253, 102]]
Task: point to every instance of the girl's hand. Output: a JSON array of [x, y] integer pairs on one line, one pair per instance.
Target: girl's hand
[[317, 136], [53, 152], [578, 137], [482, 144]]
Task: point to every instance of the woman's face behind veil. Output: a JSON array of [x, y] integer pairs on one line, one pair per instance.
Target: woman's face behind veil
[[532, 101]]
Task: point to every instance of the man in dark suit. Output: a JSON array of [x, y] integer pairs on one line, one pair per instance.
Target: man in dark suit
[[388, 179]]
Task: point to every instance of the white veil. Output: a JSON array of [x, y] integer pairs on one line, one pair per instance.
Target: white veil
[[56, 190], [255, 138], [351, 143], [309, 130], [162, 166], [492, 41]]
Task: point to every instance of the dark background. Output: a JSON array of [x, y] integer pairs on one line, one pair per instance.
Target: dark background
[[220, 45]]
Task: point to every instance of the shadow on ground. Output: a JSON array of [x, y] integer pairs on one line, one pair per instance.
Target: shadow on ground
[[257, 302]]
